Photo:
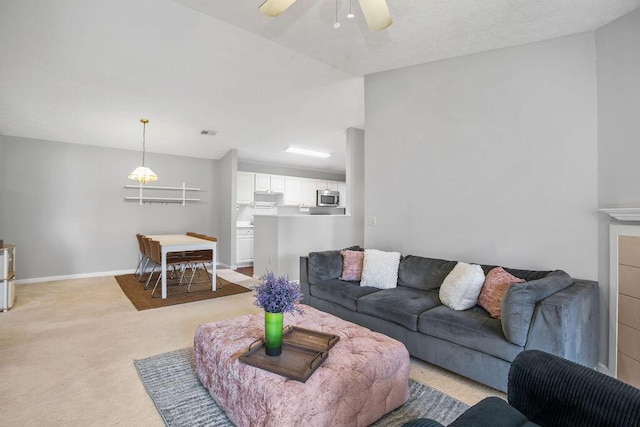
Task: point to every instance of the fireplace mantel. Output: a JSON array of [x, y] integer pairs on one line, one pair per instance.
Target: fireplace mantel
[[623, 214]]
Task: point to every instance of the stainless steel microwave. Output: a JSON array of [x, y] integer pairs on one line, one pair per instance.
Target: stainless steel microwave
[[328, 198]]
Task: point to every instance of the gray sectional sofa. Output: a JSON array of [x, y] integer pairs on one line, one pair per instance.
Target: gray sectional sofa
[[550, 312]]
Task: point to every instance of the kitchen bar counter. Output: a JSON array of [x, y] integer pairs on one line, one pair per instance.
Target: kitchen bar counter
[[280, 240]]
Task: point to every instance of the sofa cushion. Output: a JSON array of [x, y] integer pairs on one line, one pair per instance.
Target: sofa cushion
[[401, 305], [380, 269], [423, 273], [495, 286], [520, 301], [339, 292], [351, 265], [324, 266], [461, 287], [472, 328]]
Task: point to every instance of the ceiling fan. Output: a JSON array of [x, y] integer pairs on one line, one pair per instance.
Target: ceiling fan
[[376, 12]]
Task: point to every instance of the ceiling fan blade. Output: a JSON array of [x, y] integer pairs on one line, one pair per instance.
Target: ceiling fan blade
[[275, 7], [376, 13]]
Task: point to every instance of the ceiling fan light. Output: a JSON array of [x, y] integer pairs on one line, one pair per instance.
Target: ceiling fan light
[[275, 7], [307, 152], [376, 13]]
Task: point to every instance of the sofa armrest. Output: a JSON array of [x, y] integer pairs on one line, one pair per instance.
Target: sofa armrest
[[567, 324], [521, 299], [304, 278], [553, 391]]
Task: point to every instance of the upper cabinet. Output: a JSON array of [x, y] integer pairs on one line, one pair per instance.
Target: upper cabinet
[[342, 188], [265, 183], [296, 191], [292, 191], [277, 184], [321, 184], [308, 192], [244, 188]]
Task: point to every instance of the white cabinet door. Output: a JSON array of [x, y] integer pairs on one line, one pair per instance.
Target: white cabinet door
[[277, 184], [292, 187], [244, 188], [321, 184], [308, 192], [342, 188], [244, 246], [332, 185], [263, 182]]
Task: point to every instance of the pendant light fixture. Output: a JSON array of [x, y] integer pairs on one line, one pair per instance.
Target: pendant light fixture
[[143, 174]]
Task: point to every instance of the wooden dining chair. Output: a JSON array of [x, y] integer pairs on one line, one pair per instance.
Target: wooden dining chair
[[144, 260], [173, 261]]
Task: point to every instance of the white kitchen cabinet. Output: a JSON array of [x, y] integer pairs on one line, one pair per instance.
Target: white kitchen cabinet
[[342, 188], [269, 183], [7, 277], [322, 184], [244, 188], [262, 182], [292, 188], [308, 192], [244, 246], [277, 184]]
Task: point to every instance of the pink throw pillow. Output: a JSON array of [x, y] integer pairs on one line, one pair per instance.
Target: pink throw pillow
[[352, 265], [493, 290]]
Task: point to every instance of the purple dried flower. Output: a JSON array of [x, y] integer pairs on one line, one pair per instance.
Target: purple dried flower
[[277, 295]]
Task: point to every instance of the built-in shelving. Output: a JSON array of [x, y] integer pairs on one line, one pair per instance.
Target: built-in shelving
[[141, 198]]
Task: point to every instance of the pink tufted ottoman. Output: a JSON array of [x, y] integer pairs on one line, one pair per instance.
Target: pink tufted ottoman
[[365, 376]]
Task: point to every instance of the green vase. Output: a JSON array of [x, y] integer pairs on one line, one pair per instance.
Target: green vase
[[273, 333]]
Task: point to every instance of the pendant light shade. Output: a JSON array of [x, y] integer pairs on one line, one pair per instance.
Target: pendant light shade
[[143, 174]]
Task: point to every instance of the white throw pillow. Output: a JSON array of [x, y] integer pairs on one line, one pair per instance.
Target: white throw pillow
[[461, 287], [380, 269]]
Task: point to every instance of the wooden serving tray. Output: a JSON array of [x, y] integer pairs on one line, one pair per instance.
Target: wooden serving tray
[[303, 351], [308, 338]]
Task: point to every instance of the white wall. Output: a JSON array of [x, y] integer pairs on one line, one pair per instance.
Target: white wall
[[247, 166], [227, 201], [63, 205], [618, 135], [488, 158]]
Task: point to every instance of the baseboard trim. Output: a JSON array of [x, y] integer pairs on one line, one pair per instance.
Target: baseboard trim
[[601, 367], [85, 276], [75, 276]]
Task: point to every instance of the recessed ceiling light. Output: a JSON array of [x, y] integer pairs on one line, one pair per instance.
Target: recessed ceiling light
[[209, 132], [307, 152]]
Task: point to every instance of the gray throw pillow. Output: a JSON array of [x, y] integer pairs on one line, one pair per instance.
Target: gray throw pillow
[[324, 266]]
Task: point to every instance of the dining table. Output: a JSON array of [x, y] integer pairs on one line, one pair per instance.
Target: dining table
[[183, 243]]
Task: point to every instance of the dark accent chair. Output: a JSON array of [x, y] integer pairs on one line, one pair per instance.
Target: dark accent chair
[[547, 390]]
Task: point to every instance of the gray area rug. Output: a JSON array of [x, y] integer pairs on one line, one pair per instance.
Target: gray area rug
[[173, 386]]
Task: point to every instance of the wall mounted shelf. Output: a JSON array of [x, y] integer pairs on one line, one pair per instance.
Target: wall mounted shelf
[[140, 198]]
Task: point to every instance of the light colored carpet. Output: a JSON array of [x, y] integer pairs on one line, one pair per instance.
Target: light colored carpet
[[67, 351], [183, 401]]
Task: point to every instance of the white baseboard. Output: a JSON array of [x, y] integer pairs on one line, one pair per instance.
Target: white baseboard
[[601, 367], [85, 275], [75, 276]]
